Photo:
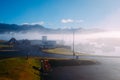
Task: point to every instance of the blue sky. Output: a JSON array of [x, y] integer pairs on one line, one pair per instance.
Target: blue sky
[[57, 13]]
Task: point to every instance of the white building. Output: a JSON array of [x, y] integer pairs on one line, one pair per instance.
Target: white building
[[47, 43], [44, 43], [44, 38]]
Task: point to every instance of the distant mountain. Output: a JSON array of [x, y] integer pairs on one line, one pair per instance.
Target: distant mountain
[[17, 28], [25, 28], [7, 28]]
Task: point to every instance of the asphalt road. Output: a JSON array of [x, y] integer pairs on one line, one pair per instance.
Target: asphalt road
[[107, 69]]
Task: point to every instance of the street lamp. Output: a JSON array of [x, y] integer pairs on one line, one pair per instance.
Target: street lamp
[[73, 44], [74, 55]]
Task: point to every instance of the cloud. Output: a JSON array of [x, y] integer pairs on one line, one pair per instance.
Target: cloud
[[67, 21], [25, 23], [34, 23], [71, 21], [40, 23], [66, 27]]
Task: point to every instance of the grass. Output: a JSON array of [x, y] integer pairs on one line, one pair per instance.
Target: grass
[[60, 51], [2, 41], [19, 69], [4, 46]]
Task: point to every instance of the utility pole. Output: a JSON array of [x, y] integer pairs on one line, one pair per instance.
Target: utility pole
[[73, 45]]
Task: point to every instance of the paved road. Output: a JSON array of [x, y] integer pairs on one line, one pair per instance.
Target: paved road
[[108, 69]]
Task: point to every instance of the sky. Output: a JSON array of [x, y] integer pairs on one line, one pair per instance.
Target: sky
[[60, 13], [86, 14]]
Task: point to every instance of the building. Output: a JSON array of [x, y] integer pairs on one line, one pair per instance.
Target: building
[[44, 38], [12, 42], [47, 43], [44, 43]]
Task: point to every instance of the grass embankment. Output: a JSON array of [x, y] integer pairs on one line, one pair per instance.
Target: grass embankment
[[19, 69], [60, 51], [2, 46]]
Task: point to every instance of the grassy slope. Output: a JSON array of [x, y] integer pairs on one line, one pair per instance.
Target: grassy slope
[[60, 51], [2, 45], [19, 69]]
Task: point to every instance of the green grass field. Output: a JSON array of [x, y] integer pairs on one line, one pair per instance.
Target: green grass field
[[19, 69], [3, 45], [58, 51], [61, 51]]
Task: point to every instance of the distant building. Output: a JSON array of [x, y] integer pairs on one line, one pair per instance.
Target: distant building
[[36, 42], [25, 42], [12, 42], [44, 38], [44, 43], [47, 43]]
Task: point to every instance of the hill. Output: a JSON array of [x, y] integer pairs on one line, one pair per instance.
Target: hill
[[7, 28]]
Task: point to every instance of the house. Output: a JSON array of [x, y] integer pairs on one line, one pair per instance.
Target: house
[[12, 42]]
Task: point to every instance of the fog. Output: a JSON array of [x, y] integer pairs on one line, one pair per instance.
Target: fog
[[105, 43]]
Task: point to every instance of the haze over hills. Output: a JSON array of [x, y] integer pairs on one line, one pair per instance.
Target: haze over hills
[[24, 28], [7, 28], [93, 41], [17, 28]]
